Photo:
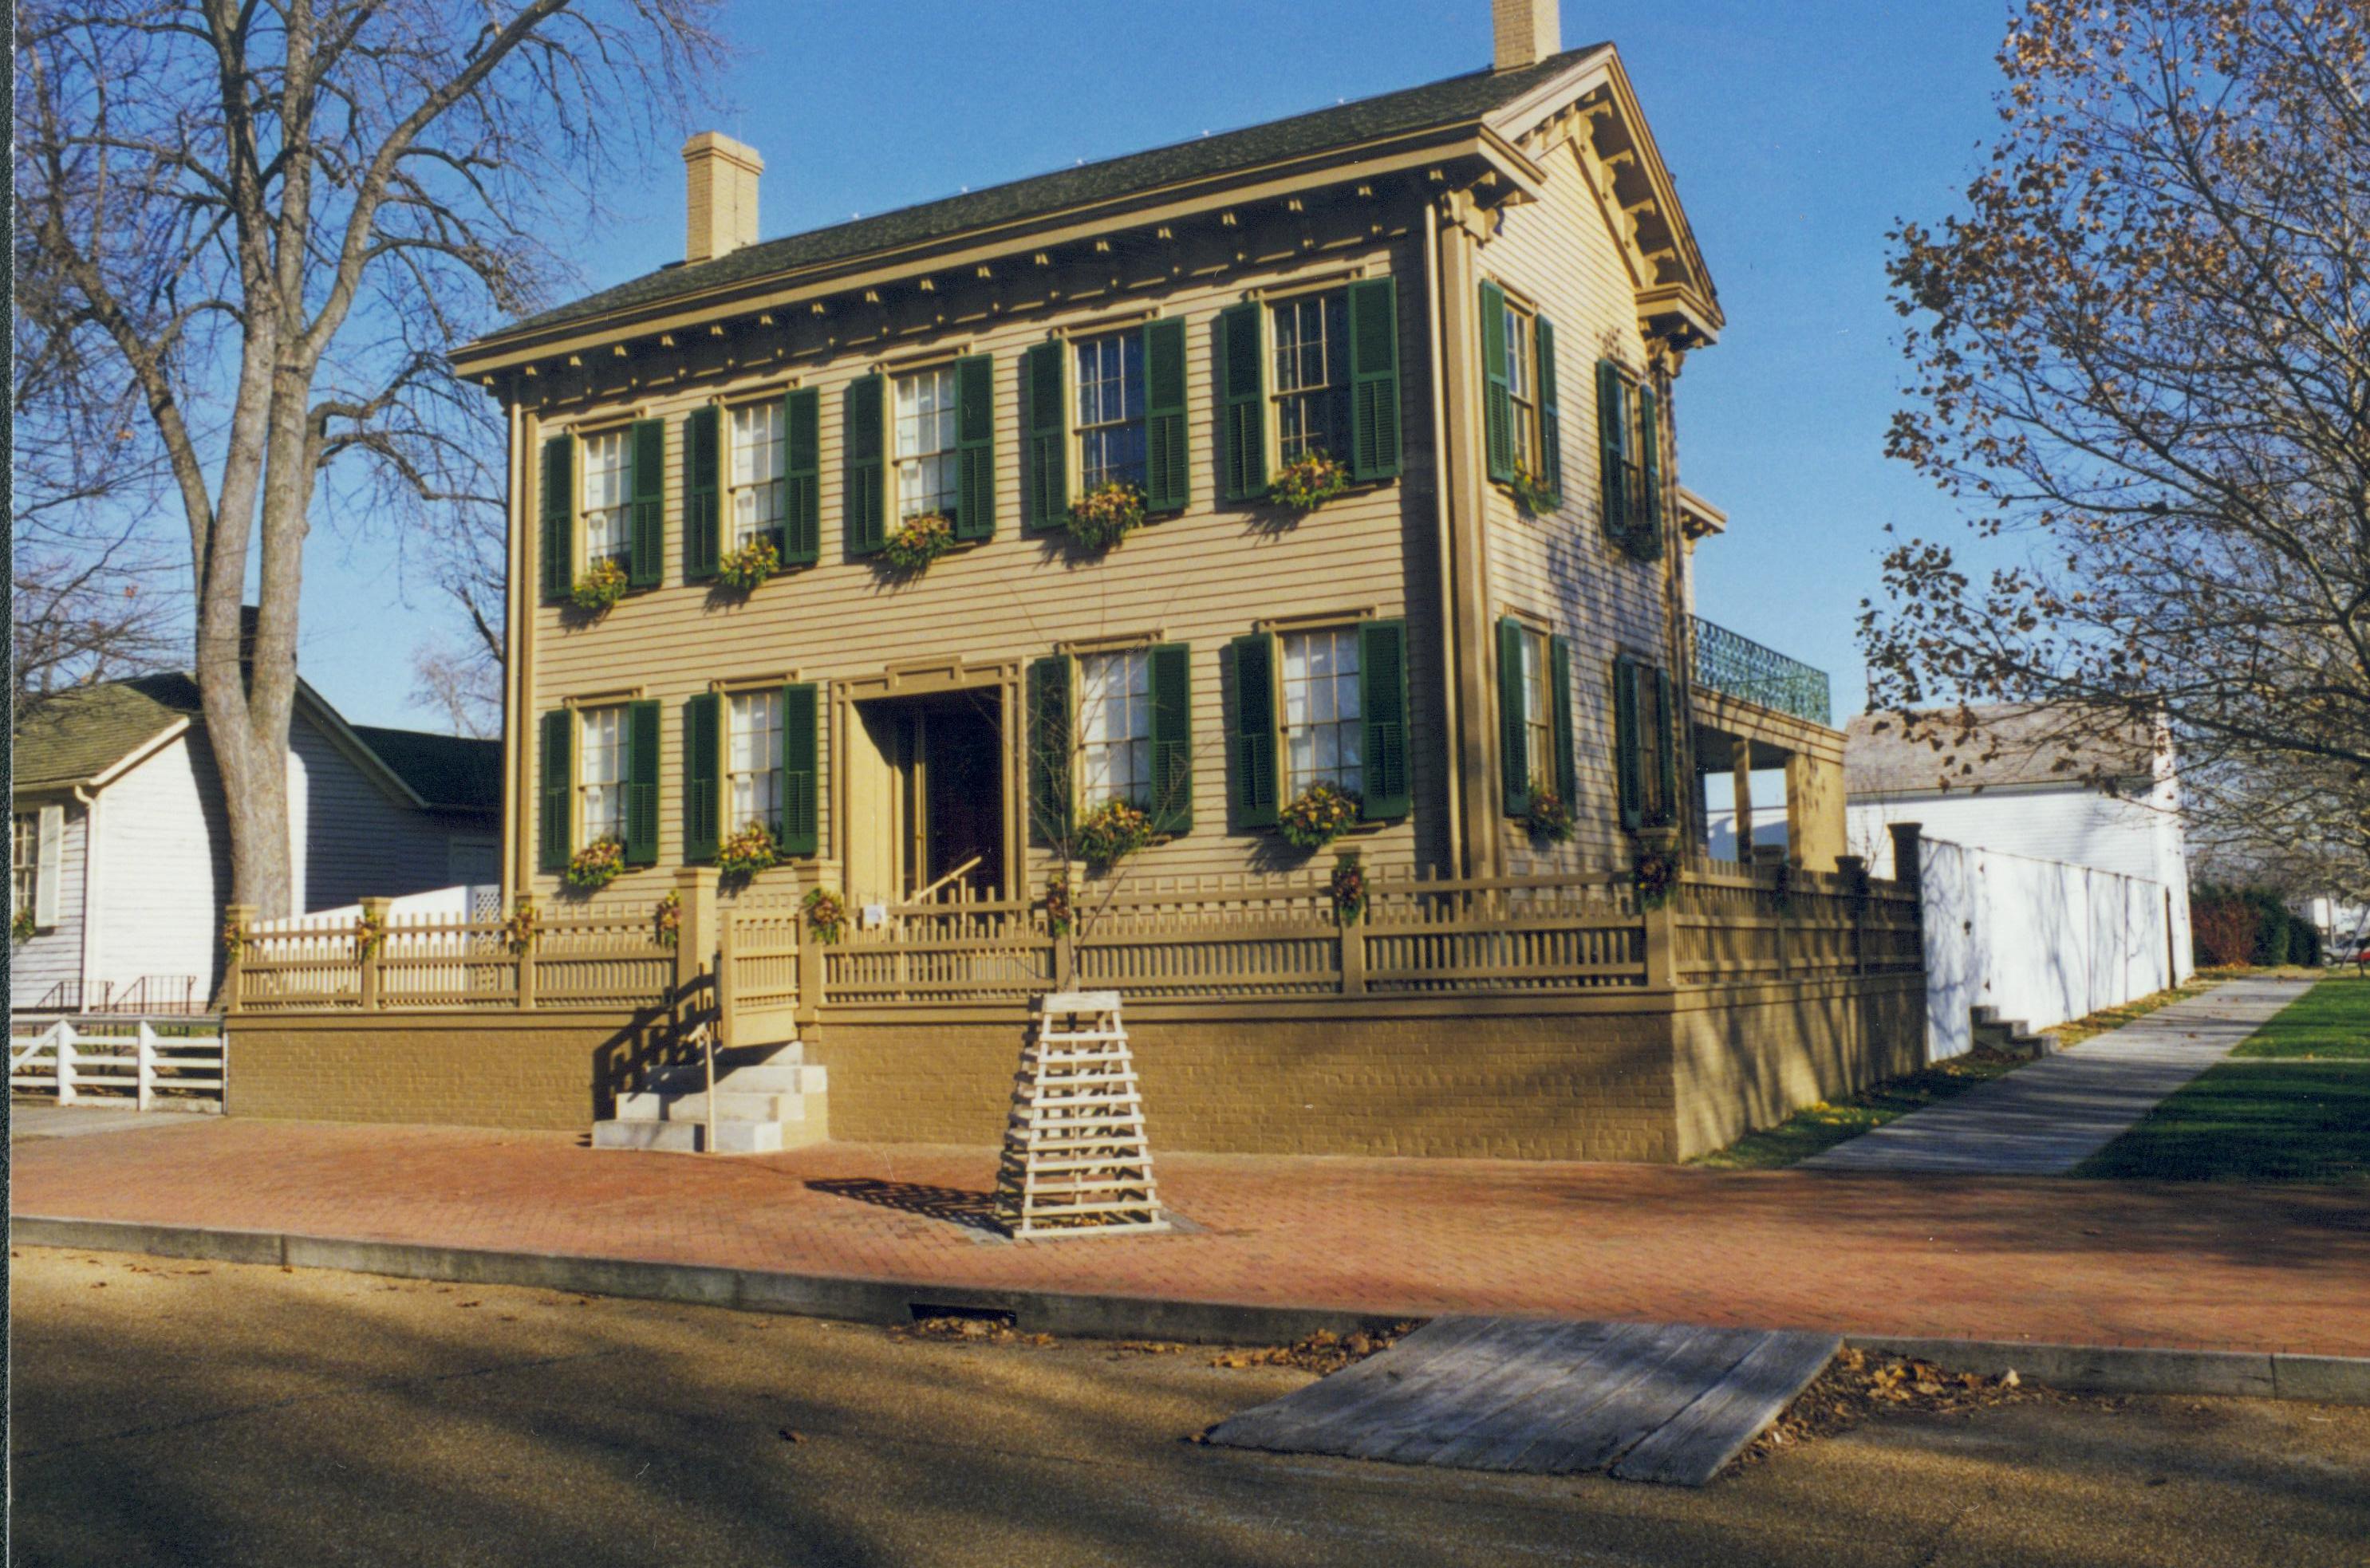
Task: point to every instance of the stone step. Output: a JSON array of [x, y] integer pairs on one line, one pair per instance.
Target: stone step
[[686, 1137], [662, 1106], [791, 1078]]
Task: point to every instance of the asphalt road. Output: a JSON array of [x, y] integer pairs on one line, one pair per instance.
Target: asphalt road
[[177, 1412]]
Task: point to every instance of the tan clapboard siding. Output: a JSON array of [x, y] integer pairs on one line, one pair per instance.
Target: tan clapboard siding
[[1563, 568], [1200, 577]]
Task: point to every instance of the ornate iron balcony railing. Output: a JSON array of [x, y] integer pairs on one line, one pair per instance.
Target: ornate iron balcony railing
[[1744, 669]]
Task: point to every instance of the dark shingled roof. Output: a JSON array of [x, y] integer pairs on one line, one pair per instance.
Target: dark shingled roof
[[72, 736], [450, 773], [2010, 745], [1457, 99]]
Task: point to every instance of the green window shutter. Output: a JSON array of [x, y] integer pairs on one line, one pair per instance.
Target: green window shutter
[[641, 784], [1375, 378], [645, 538], [702, 540], [1627, 763], [1497, 395], [1045, 475], [1646, 533], [1171, 671], [1242, 400], [1550, 411], [559, 516], [703, 753], [802, 540], [1514, 740], [801, 771], [1167, 473], [1613, 444], [974, 446], [1382, 703], [864, 499], [1566, 765], [1666, 748], [1050, 795], [1252, 771], [553, 827]]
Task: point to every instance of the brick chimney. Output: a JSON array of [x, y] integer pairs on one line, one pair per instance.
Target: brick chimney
[[1527, 32], [721, 212]]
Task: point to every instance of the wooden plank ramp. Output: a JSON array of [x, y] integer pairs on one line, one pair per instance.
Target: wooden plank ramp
[[1642, 1401]]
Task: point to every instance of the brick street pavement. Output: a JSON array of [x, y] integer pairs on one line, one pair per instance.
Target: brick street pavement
[[2201, 1265]]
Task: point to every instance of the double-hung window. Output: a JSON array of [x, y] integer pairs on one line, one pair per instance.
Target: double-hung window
[[1522, 387], [755, 486], [926, 444], [601, 774], [754, 760], [1324, 733], [1115, 727], [1311, 343], [608, 487], [27, 867], [1538, 711], [1110, 410]]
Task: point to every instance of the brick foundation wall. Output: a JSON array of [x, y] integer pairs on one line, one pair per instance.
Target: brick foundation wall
[[1617, 1078], [549, 1070]]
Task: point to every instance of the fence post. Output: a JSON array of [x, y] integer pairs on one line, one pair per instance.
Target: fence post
[[1662, 946], [811, 969], [1353, 957], [1906, 867], [65, 1063], [1065, 951], [146, 1070], [526, 974], [695, 942], [238, 917], [725, 944], [1854, 871], [373, 917]]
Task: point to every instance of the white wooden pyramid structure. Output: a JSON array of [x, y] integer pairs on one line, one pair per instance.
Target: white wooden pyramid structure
[[1075, 1162]]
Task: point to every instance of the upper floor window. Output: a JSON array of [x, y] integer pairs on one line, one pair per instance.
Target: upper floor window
[[1110, 410], [1115, 726], [925, 442], [27, 866], [1522, 385], [1324, 733], [1311, 341], [754, 757], [756, 504], [608, 487], [601, 774]]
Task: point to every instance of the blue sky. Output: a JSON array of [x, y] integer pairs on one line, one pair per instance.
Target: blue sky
[[1797, 134]]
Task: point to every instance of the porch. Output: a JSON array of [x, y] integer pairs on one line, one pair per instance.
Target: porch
[[1755, 710]]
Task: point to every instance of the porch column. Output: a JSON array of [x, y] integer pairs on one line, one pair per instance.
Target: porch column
[[1814, 811], [1740, 762]]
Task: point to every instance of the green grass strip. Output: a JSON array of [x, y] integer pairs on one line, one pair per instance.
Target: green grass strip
[[2251, 1121], [2328, 1023]]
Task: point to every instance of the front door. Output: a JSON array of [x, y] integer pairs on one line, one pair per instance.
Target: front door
[[926, 794]]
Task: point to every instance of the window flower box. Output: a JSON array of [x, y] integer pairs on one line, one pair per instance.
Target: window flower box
[[914, 544], [1105, 515], [596, 865], [747, 853], [1112, 832], [1308, 481], [1317, 815], [746, 568], [598, 590]]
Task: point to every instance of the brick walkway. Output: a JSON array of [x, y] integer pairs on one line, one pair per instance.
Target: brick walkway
[[2196, 1266]]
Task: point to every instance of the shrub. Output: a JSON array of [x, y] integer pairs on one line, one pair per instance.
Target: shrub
[[2226, 928]]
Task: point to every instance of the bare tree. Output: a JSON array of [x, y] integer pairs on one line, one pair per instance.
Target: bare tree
[[461, 684], [2139, 353], [274, 216]]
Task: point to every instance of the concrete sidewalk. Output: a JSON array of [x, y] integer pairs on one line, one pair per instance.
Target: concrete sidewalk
[[2214, 1266], [2046, 1118]]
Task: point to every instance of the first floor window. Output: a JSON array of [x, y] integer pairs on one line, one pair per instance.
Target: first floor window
[[1522, 387], [754, 760], [607, 486], [1653, 787], [1115, 726], [1322, 726], [601, 774], [1538, 710], [926, 444], [756, 504], [1110, 410], [27, 866], [1312, 376]]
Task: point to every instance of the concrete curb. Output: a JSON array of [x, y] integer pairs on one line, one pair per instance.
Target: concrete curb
[[2074, 1368]]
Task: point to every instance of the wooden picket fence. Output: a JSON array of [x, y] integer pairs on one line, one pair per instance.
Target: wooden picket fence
[[575, 958]]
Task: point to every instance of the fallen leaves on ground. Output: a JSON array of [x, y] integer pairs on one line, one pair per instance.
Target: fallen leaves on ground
[[981, 1328], [1323, 1352], [1857, 1385]]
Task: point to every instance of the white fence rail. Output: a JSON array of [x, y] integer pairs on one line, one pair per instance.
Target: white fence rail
[[116, 1060], [2041, 941]]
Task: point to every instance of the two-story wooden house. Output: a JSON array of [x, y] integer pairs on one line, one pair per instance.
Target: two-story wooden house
[[1190, 502], [1475, 296]]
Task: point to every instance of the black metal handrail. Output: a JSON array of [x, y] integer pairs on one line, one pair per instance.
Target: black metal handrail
[[1737, 665]]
